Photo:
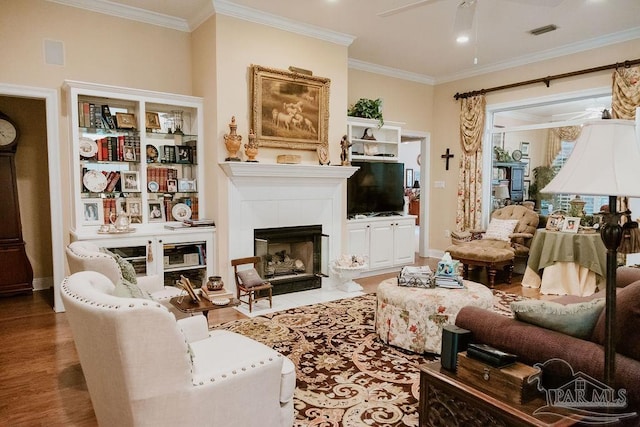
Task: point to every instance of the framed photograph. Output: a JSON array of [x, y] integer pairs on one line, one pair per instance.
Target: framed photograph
[[555, 222], [571, 224], [186, 185], [156, 213], [527, 166], [290, 110], [497, 140], [130, 181], [408, 178], [527, 183], [92, 211], [134, 209], [125, 121], [184, 154], [152, 121], [172, 186], [524, 149]]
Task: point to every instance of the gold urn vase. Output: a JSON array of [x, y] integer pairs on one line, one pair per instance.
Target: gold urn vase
[[251, 148], [233, 141]]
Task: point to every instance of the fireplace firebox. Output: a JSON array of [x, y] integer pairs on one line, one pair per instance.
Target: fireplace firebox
[[294, 259]]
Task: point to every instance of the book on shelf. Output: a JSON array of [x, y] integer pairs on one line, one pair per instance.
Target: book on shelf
[[453, 282], [108, 118], [176, 226], [199, 222]]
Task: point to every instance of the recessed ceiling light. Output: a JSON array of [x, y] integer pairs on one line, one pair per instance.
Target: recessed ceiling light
[[462, 39], [542, 30]]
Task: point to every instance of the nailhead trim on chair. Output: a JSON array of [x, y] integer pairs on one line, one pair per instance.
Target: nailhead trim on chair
[[235, 371], [85, 300]]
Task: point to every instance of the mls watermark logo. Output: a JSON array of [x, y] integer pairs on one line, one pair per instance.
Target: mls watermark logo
[[582, 398]]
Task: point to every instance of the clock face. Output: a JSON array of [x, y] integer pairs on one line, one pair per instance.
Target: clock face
[[8, 132], [517, 155]]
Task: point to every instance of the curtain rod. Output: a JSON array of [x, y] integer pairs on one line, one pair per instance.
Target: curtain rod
[[547, 80]]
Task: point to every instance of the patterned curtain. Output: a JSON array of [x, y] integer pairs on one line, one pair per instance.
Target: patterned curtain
[[555, 138], [472, 116], [626, 93]]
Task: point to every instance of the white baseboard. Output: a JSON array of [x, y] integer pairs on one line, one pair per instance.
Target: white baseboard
[[42, 283]]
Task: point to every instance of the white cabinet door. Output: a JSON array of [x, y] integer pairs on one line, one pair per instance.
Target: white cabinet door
[[381, 245], [404, 242], [358, 235]]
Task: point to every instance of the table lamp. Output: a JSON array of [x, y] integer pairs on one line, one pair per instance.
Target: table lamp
[[501, 194], [604, 161]]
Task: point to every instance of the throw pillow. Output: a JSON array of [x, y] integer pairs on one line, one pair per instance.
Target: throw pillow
[[126, 269], [250, 278], [627, 321], [126, 289], [576, 320], [500, 229]]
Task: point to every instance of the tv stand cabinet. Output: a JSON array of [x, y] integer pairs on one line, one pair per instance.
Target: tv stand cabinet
[[386, 242]]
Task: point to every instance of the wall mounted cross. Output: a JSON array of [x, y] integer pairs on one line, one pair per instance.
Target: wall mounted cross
[[446, 156]]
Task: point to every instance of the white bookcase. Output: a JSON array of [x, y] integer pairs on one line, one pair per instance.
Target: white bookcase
[[384, 146], [145, 153]]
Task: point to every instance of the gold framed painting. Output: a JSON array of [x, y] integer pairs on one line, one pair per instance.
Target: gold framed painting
[[290, 110]]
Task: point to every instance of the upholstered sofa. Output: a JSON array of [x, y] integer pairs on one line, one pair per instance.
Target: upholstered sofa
[[144, 368], [535, 344]]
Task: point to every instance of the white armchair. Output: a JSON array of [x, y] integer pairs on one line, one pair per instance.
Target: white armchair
[[86, 256], [144, 368]]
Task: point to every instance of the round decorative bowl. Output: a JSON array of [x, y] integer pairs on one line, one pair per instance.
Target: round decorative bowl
[[215, 283]]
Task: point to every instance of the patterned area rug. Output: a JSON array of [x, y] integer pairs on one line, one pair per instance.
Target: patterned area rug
[[345, 375]]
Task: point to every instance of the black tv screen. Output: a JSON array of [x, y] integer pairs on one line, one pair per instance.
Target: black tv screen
[[376, 188]]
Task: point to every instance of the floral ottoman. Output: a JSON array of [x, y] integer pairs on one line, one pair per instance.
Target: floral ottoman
[[413, 318]]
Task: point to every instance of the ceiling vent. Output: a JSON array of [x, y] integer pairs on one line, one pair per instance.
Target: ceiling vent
[[542, 30]]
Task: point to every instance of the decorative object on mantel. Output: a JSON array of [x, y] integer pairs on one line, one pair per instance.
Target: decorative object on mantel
[[290, 109], [292, 159], [251, 148], [232, 141], [367, 109], [344, 154], [446, 156], [323, 154]]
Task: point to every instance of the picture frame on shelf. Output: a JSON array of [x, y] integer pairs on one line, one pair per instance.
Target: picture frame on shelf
[[130, 181], [184, 154], [152, 121], [186, 185], [555, 222], [134, 209], [172, 186], [524, 148], [527, 183], [571, 224], [527, 166], [156, 213], [125, 120], [408, 178], [92, 211], [290, 110]]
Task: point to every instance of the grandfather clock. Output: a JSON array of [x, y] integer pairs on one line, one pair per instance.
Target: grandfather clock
[[16, 274]]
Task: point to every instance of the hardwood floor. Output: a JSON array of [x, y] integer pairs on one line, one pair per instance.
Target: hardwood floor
[[42, 381]]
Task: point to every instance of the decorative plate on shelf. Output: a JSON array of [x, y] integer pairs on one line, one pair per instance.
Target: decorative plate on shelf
[[223, 301], [181, 212], [153, 186], [152, 153], [516, 155], [88, 147], [95, 181]]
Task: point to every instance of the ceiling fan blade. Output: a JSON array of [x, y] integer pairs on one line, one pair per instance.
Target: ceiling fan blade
[[406, 7]]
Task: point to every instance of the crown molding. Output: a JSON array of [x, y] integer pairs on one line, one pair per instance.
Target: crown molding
[[227, 8], [569, 49], [127, 12], [356, 64]]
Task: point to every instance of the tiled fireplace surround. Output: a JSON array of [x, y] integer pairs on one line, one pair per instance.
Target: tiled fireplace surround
[[283, 195]]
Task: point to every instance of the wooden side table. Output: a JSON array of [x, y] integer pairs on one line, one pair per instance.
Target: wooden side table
[[443, 396], [185, 305]]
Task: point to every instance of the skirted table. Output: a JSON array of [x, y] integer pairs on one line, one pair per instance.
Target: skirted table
[[573, 263], [413, 318]]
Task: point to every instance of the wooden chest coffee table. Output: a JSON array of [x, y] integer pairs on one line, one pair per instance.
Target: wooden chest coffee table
[[444, 397]]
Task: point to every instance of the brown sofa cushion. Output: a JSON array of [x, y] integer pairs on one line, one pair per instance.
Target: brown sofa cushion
[[627, 322]]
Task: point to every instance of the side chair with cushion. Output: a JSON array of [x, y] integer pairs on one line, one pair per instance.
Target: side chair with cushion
[[249, 285], [87, 256], [145, 368], [508, 236]]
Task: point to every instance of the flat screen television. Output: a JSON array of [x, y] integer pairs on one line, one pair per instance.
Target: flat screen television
[[376, 188]]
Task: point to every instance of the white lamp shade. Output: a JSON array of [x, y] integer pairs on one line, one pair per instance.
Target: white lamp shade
[[605, 161], [502, 192]]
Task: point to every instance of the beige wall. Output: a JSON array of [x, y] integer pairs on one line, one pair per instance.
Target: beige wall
[[445, 133], [226, 86]]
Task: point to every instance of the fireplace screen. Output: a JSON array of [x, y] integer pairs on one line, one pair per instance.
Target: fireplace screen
[[293, 258]]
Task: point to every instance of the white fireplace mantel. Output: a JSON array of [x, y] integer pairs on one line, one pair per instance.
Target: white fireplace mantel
[[268, 195]]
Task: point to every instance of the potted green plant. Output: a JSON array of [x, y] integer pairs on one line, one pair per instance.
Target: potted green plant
[[367, 109], [542, 175]]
